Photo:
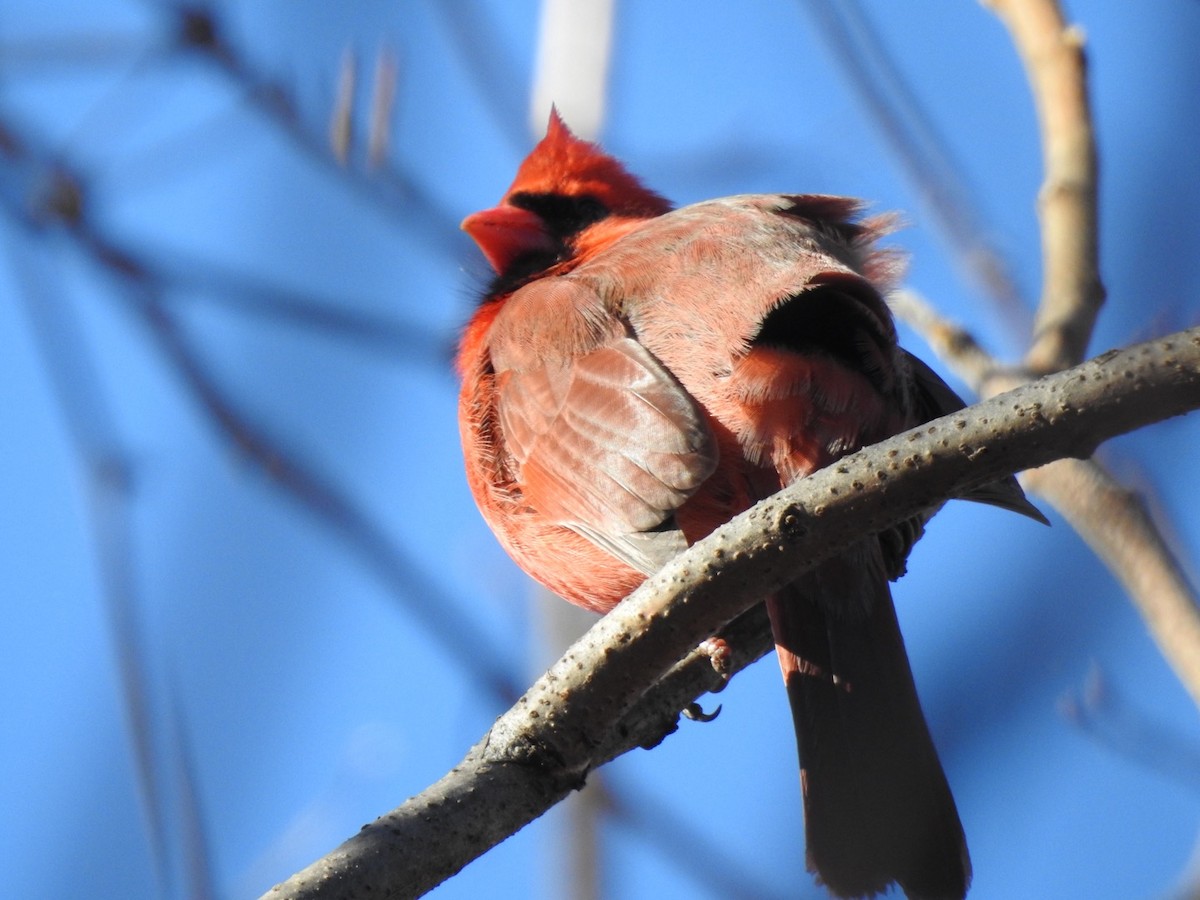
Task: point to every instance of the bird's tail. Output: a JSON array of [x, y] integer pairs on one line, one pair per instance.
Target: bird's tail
[[877, 806]]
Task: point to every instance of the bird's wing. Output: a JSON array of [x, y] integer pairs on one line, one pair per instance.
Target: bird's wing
[[602, 437]]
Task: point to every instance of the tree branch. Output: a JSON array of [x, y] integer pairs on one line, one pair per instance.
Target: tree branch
[[1072, 292], [1112, 519], [950, 341], [577, 714]]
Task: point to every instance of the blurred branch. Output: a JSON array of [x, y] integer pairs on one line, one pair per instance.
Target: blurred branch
[[341, 119], [197, 851], [383, 101], [90, 49], [574, 50], [1072, 292], [1189, 888], [1098, 710], [108, 474], [577, 856], [949, 341], [571, 62], [436, 612], [471, 27], [572, 855], [708, 863], [60, 202], [210, 283], [577, 715], [387, 186], [922, 151]]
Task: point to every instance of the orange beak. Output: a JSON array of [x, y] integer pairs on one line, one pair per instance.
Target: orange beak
[[505, 232]]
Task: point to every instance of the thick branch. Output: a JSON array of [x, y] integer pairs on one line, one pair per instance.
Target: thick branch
[[565, 724], [1072, 292]]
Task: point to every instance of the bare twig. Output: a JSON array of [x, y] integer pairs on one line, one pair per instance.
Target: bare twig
[[544, 746], [949, 340], [383, 101], [341, 117], [1072, 292]]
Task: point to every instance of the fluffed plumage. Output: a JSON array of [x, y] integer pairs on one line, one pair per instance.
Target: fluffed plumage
[[637, 375]]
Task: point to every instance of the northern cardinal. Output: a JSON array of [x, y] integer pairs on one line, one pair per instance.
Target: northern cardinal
[[636, 375]]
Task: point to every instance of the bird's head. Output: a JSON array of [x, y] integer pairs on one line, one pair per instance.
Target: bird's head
[[564, 189]]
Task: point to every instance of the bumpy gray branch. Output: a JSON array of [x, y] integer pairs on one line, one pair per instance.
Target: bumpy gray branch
[[585, 709]]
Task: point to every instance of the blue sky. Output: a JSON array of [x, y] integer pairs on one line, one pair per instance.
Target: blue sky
[[285, 667]]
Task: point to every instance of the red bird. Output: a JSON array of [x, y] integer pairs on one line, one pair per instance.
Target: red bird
[[637, 375]]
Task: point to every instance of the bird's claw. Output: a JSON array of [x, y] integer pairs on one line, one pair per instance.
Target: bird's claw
[[696, 713]]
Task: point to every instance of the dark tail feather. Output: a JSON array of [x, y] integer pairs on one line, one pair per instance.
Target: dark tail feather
[[932, 398], [877, 806]]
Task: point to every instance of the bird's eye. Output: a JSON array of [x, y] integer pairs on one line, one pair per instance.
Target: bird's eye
[[564, 215]]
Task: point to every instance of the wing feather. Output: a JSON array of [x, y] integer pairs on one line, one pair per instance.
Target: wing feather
[[601, 436], [608, 439]]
